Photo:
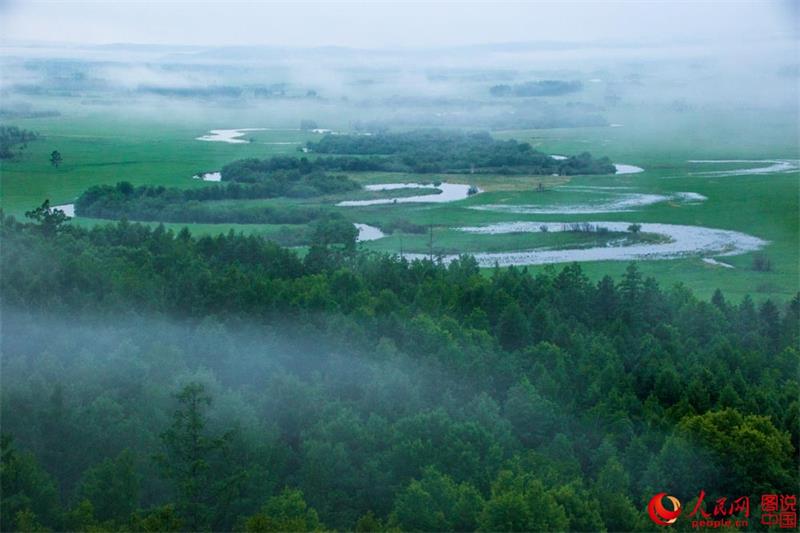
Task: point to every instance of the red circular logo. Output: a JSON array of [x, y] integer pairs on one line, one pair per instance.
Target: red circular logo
[[660, 514]]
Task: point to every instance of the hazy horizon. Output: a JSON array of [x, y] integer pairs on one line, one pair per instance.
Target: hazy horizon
[[390, 25]]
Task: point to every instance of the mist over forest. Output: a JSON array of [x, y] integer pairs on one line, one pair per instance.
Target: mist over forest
[[450, 392], [425, 267]]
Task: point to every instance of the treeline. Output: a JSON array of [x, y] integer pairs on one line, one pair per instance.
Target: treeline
[[162, 204], [11, 136], [154, 381], [218, 91], [285, 168], [426, 151], [537, 88], [17, 111]]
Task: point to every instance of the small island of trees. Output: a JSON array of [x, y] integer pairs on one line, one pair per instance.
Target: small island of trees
[[439, 151]]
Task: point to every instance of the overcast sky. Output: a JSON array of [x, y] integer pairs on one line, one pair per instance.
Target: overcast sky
[[391, 24]]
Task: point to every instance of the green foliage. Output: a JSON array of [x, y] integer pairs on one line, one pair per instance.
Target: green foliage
[[112, 486], [520, 502], [50, 220], [195, 205], [681, 467], [287, 511], [513, 330], [286, 176], [55, 158], [436, 503], [26, 521], [582, 508], [29, 496], [753, 456], [157, 520], [611, 489], [368, 524], [193, 461], [534, 418], [81, 518], [335, 230]]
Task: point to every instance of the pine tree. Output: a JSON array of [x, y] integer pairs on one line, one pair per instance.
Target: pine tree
[[29, 497], [770, 325], [194, 461], [50, 220], [512, 327]]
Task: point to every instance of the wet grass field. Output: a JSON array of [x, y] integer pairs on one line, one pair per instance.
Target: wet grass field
[[98, 148]]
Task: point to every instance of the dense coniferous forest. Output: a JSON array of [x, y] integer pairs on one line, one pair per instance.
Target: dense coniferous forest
[[426, 151], [156, 381]]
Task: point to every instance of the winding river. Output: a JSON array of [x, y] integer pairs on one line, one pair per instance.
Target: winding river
[[621, 201], [368, 233], [228, 136], [208, 176], [449, 192], [770, 166], [679, 241], [68, 209], [684, 241]]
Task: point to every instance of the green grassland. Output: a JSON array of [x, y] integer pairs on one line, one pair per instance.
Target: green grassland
[[764, 205], [103, 148]]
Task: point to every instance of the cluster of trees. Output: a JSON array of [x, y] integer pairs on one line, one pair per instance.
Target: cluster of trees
[[158, 203], [426, 151], [12, 136], [212, 92], [274, 90], [537, 88], [292, 176], [254, 170], [154, 381], [584, 227]]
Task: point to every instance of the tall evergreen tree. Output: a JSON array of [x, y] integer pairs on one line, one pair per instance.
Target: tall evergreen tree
[[194, 461]]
